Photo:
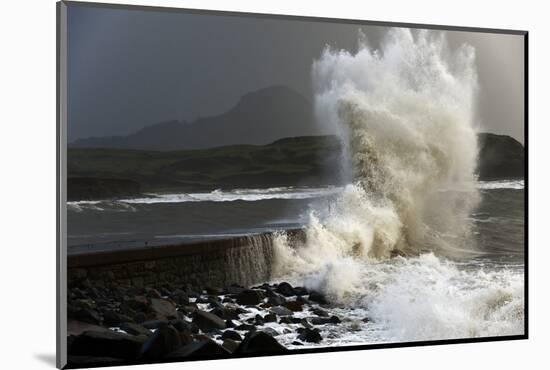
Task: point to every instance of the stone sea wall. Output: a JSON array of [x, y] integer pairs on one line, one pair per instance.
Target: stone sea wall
[[242, 260]]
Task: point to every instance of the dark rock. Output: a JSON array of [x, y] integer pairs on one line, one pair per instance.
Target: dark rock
[[249, 297], [189, 309], [153, 293], [294, 320], [276, 300], [140, 317], [264, 286], [300, 291], [180, 297], [205, 348], [216, 304], [294, 306], [245, 327], [320, 312], [230, 345], [302, 300], [186, 338], [270, 317], [164, 309], [154, 324], [207, 321], [310, 335], [325, 320], [258, 320], [191, 293], [135, 329], [285, 320], [270, 331], [165, 340], [138, 303], [366, 319], [285, 289], [259, 342], [85, 315], [166, 291], [317, 297], [225, 313], [181, 325], [112, 318], [230, 334], [213, 290], [281, 311], [230, 324], [106, 344], [296, 343]]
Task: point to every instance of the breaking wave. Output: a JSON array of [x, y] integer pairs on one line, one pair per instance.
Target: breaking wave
[[405, 115]]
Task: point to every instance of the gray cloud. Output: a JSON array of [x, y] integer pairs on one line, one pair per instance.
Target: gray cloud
[[132, 68]]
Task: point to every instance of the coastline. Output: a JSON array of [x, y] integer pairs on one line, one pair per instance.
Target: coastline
[[123, 309]]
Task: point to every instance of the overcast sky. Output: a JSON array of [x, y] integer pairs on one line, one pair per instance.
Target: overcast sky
[[132, 68]]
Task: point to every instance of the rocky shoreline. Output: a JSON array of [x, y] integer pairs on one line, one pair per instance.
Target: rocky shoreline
[[118, 324]]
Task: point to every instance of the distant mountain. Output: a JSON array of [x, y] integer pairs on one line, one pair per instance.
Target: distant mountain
[[260, 117]]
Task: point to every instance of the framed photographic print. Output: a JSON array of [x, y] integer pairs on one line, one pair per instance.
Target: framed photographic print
[[235, 184]]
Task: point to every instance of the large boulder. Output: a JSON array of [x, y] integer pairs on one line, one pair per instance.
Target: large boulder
[[275, 300], [207, 321], [249, 297], [285, 289], [163, 308], [281, 311], [106, 344], [225, 313], [137, 303], [260, 342], [180, 297], [230, 334], [165, 340], [325, 320], [294, 306], [205, 348], [310, 335], [230, 345]]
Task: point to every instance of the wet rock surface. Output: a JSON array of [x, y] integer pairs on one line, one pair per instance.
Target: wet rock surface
[[129, 324]]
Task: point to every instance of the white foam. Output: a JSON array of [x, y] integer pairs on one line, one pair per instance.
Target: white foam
[[501, 184], [405, 115], [248, 195]]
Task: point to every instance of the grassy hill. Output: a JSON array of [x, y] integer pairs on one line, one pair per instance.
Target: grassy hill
[[291, 161], [307, 160]]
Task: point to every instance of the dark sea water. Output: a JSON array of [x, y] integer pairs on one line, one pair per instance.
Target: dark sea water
[[173, 218]]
